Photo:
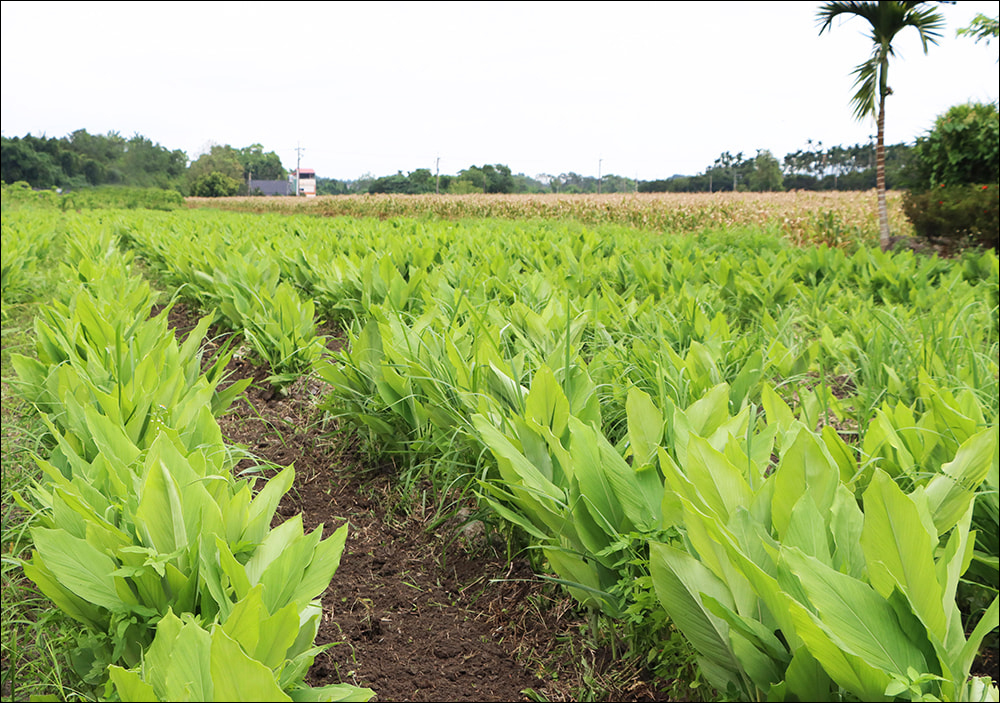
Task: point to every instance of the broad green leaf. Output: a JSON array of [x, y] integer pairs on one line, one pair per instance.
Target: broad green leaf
[[860, 620], [130, 686], [511, 516], [160, 515], [180, 588], [332, 693], [244, 621], [265, 503], [232, 569], [722, 486], [805, 678], [277, 634], [637, 491], [846, 523], [580, 528], [211, 579], [806, 530], [188, 674], [761, 654], [273, 546], [778, 412], [679, 580], [514, 468], [853, 673], [954, 559], [805, 468], [581, 577], [845, 457], [65, 599], [110, 438], [237, 677], [950, 492], [546, 403], [899, 550], [709, 411], [322, 566], [532, 438], [79, 567], [160, 655], [595, 485], [645, 426], [746, 380], [989, 622]]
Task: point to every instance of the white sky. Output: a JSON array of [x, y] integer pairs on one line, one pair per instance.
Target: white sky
[[649, 89]]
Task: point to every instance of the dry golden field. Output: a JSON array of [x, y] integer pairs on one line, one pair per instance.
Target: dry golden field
[[837, 218]]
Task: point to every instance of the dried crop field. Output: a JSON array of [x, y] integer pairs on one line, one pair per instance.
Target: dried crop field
[[804, 217]]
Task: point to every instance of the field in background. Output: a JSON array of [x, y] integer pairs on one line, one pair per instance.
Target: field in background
[[839, 219]]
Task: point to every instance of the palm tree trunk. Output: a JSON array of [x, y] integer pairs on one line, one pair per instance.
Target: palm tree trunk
[[883, 213]]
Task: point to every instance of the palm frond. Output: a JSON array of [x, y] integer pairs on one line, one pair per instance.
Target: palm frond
[[865, 83], [885, 20]]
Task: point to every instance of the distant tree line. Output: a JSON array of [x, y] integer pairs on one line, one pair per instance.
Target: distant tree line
[[82, 159], [488, 178], [812, 168]]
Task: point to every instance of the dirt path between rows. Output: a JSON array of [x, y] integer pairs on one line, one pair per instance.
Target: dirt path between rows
[[416, 614]]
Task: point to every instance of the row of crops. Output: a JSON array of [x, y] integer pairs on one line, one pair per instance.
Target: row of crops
[[792, 454], [141, 531]]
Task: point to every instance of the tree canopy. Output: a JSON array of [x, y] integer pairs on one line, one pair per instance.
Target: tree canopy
[[83, 159]]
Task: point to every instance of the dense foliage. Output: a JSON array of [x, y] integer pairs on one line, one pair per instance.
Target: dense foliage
[[962, 148], [773, 445], [100, 197], [214, 185], [954, 200], [790, 452], [141, 532], [956, 216], [83, 159]]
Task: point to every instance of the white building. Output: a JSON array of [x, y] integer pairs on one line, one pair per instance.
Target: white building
[[303, 182]]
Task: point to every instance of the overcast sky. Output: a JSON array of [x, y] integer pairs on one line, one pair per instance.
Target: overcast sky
[[641, 90]]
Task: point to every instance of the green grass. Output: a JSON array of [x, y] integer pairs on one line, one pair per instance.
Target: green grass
[[35, 638]]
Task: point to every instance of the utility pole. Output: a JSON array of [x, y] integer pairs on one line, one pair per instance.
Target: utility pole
[[298, 167], [437, 176], [599, 176]]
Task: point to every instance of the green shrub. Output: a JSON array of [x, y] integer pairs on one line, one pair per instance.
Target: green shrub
[[955, 215], [963, 147], [214, 185], [20, 193], [122, 197]]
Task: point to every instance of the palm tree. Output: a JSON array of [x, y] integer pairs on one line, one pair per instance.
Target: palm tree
[[887, 19]]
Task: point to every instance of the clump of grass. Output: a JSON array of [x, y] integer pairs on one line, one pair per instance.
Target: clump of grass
[[35, 639]]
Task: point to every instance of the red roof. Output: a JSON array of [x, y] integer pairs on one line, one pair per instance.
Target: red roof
[[306, 171]]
